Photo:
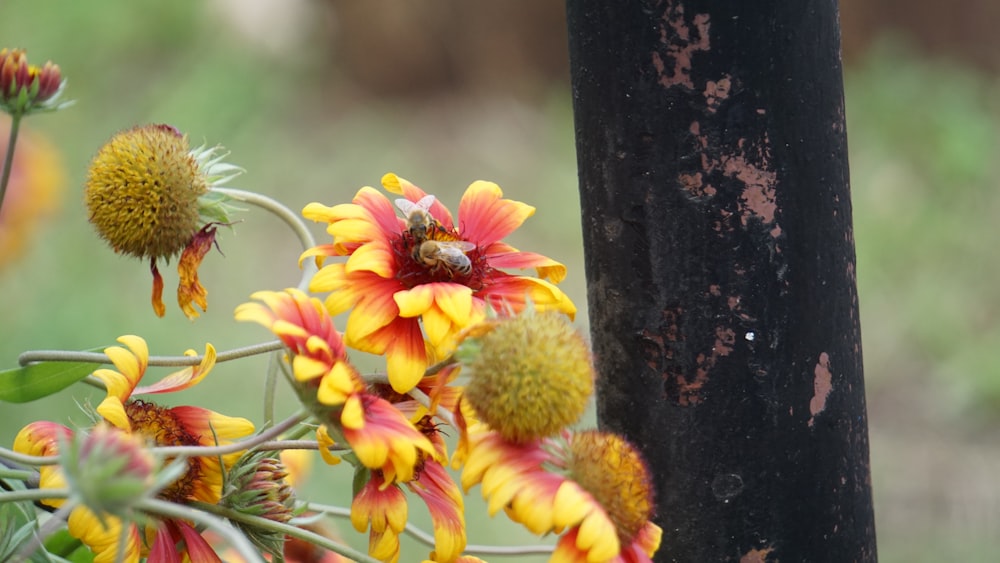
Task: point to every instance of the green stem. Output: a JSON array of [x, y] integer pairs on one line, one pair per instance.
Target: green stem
[[290, 218], [33, 494], [16, 474], [237, 540], [168, 361], [25, 459], [8, 161], [288, 530]]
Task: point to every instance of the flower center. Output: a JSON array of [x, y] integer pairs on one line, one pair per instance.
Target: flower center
[[161, 426], [438, 263], [611, 470]]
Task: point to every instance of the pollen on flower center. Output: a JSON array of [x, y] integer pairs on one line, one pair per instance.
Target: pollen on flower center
[[531, 376], [611, 470], [142, 192], [162, 427]]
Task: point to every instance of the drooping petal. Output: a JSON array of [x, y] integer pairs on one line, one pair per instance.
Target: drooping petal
[[445, 504], [184, 378], [189, 289], [382, 438], [383, 508], [197, 548], [486, 218], [164, 548]]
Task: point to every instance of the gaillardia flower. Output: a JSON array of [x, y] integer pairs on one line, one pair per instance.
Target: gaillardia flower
[[148, 195], [530, 375], [425, 266], [26, 88], [374, 421], [592, 487], [160, 426]]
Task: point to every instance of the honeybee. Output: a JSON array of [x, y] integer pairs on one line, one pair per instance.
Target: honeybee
[[418, 217], [448, 255]]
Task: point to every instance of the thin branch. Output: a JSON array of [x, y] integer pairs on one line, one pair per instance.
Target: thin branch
[[172, 361], [290, 218], [236, 539]]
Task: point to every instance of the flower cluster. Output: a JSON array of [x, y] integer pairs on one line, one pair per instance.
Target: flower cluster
[[475, 335], [592, 487]]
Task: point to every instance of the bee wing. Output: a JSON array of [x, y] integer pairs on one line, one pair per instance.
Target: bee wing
[[461, 245], [408, 207]]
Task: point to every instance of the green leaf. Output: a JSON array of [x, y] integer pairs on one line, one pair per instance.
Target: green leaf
[[32, 382]]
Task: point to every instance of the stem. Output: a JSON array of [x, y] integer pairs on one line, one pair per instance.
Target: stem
[[33, 495], [425, 401], [291, 219], [288, 530], [237, 540], [171, 361], [8, 161], [26, 459]]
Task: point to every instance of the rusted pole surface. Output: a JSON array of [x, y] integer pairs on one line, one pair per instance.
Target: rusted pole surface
[[721, 272]]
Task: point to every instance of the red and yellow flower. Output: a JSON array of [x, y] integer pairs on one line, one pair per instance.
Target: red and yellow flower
[[592, 487], [391, 288], [176, 426], [373, 422]]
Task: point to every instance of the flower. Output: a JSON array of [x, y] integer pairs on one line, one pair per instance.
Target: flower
[[592, 485], [148, 195], [374, 421], [531, 374], [175, 426], [391, 283], [34, 191], [26, 88]]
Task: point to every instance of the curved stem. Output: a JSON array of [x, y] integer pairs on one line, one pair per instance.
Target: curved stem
[[172, 361], [237, 540], [8, 160], [288, 530], [291, 219]]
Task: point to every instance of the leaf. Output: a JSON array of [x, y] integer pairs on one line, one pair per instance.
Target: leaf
[[32, 382]]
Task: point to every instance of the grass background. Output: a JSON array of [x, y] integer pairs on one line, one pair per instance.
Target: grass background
[[923, 150]]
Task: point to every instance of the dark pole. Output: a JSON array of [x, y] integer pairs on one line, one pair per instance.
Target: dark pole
[[720, 266]]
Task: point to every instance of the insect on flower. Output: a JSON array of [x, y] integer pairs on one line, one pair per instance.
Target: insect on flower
[[418, 218], [448, 256]]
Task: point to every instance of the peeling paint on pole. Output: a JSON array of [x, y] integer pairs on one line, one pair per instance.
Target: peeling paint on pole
[[720, 266]]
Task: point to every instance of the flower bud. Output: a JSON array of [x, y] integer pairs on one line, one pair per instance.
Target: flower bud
[[109, 469]]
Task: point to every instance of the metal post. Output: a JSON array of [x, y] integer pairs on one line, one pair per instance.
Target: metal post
[[721, 272]]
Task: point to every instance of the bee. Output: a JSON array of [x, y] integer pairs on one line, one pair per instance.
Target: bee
[[418, 217], [447, 255]]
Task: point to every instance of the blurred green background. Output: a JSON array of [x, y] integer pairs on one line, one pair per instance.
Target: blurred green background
[[316, 99]]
